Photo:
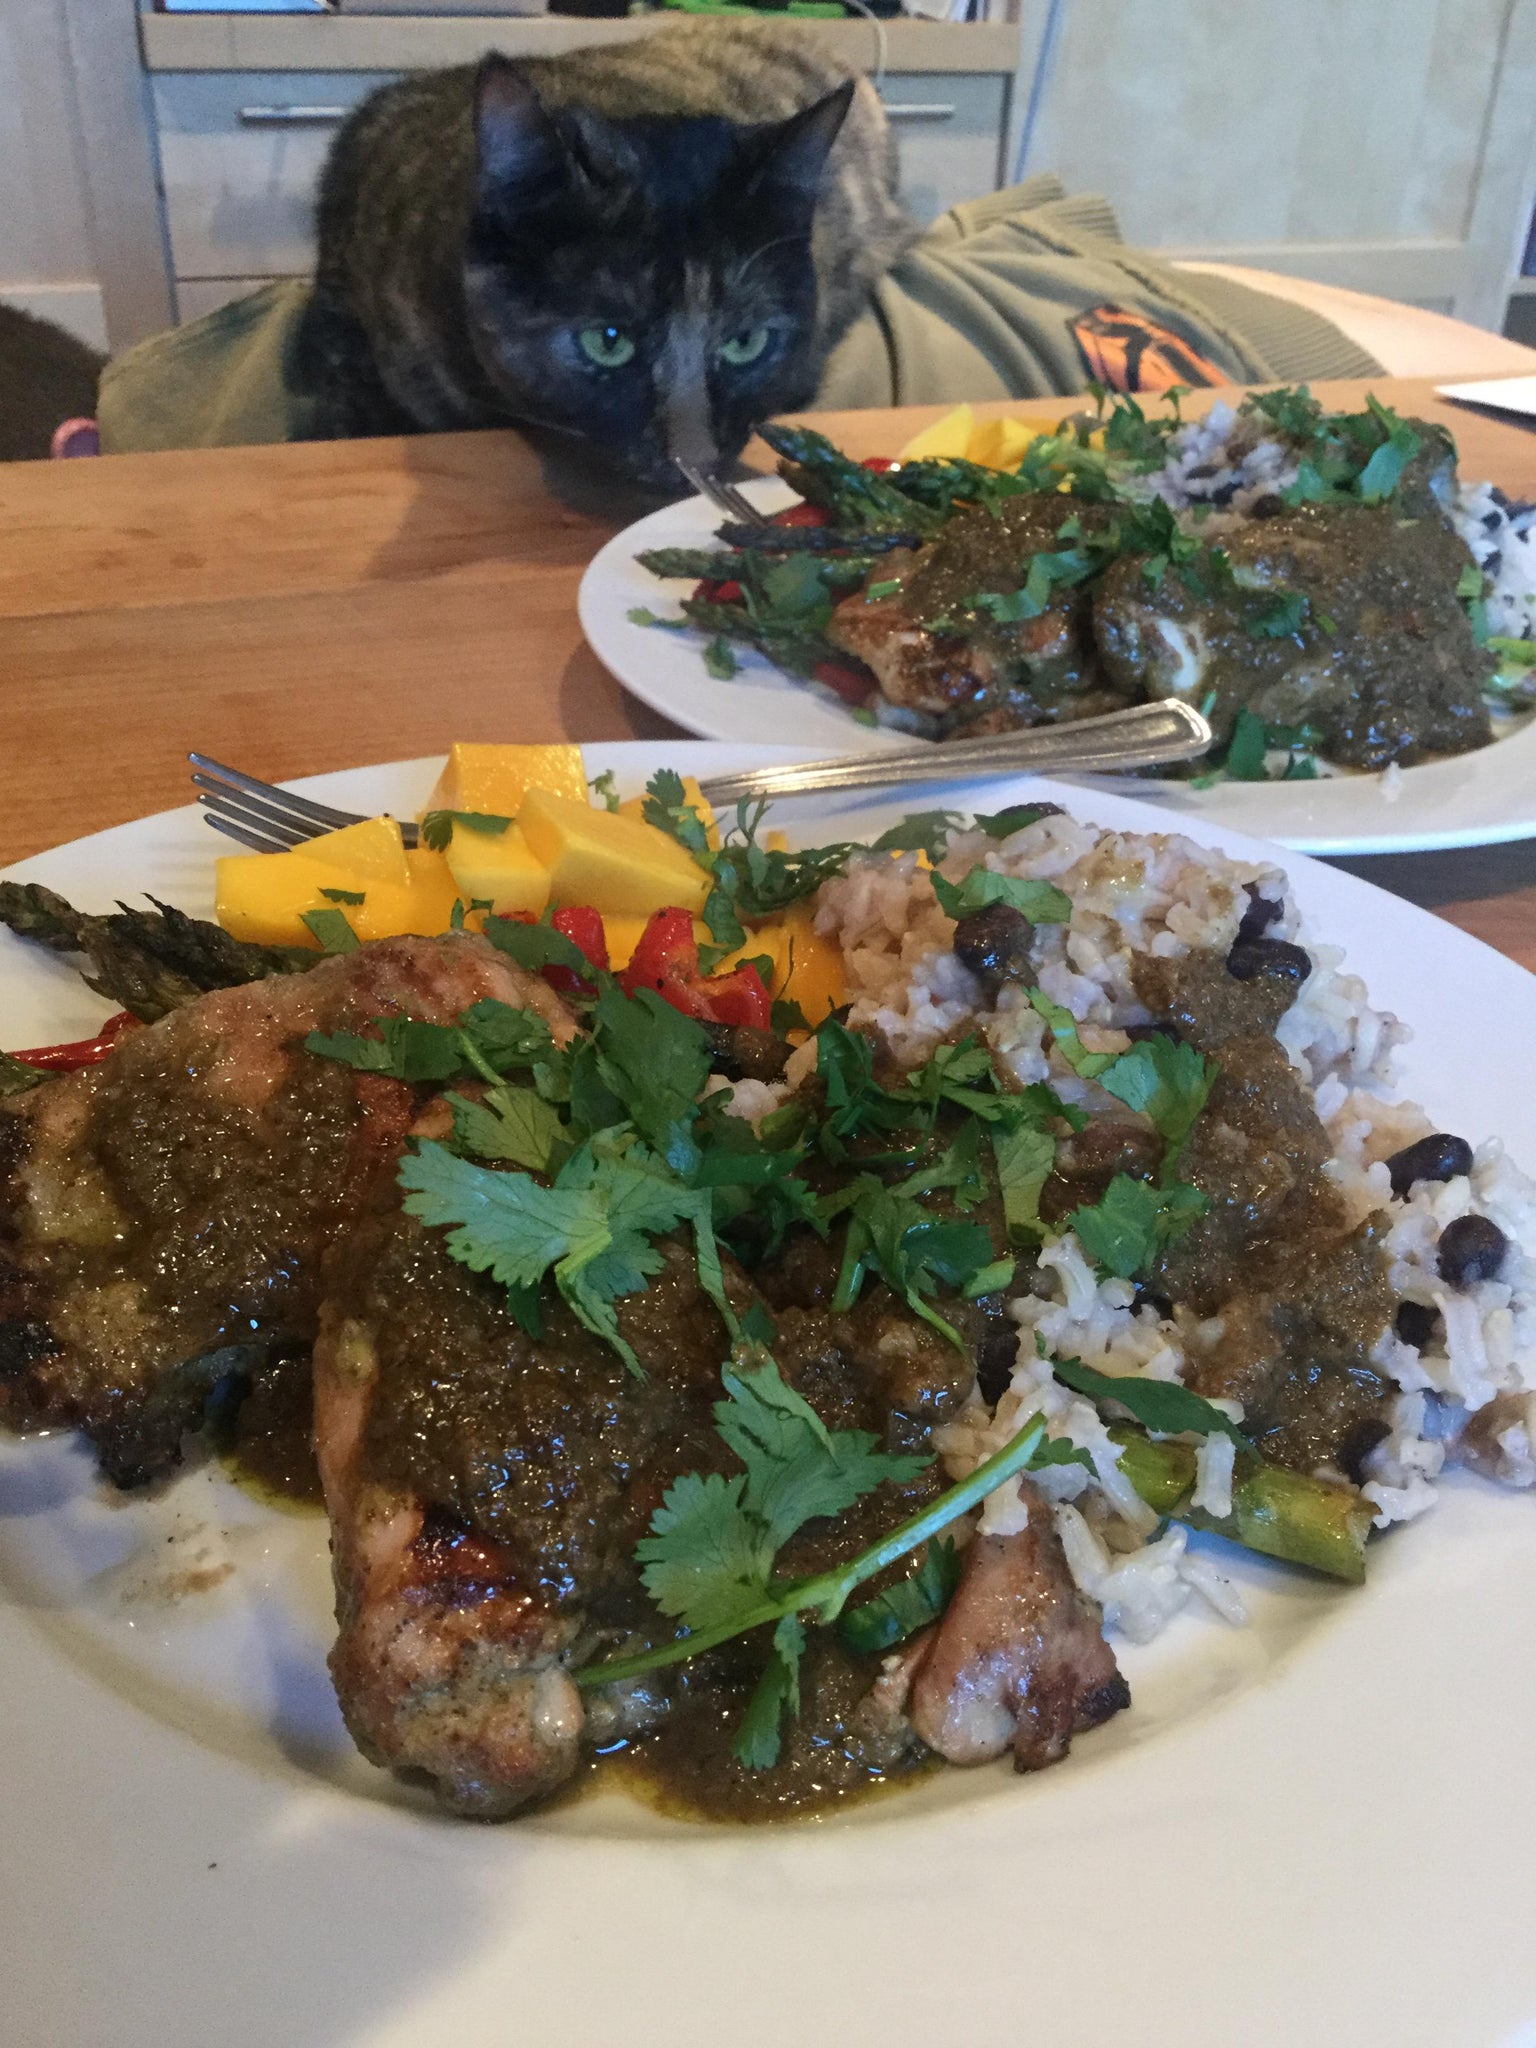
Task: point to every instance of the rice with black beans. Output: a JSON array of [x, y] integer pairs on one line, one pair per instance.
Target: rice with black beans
[[1468, 1395]]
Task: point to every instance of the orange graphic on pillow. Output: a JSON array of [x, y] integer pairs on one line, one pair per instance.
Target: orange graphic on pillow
[[1128, 352]]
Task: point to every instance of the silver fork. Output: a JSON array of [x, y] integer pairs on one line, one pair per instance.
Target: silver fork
[[736, 505], [261, 815]]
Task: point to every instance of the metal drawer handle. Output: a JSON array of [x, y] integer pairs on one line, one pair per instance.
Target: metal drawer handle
[[919, 110], [292, 117]]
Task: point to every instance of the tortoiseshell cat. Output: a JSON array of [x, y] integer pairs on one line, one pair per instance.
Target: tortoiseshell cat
[[653, 245]]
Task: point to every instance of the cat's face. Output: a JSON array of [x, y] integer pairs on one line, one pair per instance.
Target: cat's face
[[646, 284]]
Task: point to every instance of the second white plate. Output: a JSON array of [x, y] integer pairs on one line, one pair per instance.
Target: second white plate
[[1471, 800]]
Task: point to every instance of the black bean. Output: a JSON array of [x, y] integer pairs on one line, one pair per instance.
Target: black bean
[[1499, 497], [1148, 1297], [1358, 1444], [1415, 1323], [1267, 507], [996, 1356], [1437, 1157], [995, 943], [1201, 469], [1259, 916], [1494, 563], [1250, 958], [1138, 1034], [743, 1053], [1471, 1249], [1492, 521]]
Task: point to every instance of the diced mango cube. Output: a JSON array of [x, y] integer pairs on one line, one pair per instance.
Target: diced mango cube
[[807, 968], [617, 864], [499, 866], [264, 896], [812, 974], [373, 851], [495, 778], [430, 898], [634, 807], [1002, 444], [947, 439]]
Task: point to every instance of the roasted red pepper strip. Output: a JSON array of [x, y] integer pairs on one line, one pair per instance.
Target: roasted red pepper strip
[[879, 463], [583, 926], [719, 593], [667, 960], [853, 685], [79, 1052], [800, 515]]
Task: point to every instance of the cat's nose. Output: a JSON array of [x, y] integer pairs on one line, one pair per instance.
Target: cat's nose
[[687, 430]]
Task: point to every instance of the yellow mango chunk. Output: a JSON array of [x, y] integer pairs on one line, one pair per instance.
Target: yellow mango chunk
[[499, 866], [616, 864], [431, 896], [634, 807], [1002, 444], [493, 778], [947, 439], [812, 974], [373, 851], [263, 897]]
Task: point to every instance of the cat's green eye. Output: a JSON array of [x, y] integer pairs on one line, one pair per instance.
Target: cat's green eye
[[745, 347], [609, 347]]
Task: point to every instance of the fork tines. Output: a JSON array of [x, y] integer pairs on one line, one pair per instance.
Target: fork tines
[[260, 814], [723, 496]]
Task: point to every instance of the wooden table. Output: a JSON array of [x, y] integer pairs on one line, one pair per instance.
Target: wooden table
[[296, 609]]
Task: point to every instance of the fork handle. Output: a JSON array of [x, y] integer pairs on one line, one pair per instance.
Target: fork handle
[[1146, 736]]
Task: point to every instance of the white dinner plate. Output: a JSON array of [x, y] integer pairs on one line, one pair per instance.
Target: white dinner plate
[[1311, 1830], [1472, 799]]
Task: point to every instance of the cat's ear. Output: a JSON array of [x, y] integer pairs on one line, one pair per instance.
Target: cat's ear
[[521, 157], [793, 156]]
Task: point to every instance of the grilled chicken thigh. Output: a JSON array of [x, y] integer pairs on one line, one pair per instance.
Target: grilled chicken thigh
[[164, 1216]]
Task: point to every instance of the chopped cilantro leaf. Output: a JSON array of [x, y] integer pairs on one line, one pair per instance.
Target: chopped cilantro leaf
[[438, 827], [919, 832], [1064, 1032], [537, 946], [1025, 1156], [1040, 902], [1282, 618], [330, 927], [1169, 1083], [1160, 1405], [887, 588], [642, 615], [606, 788], [515, 1124], [344, 895], [1003, 824], [1125, 1231], [1471, 581], [1247, 748], [720, 659], [907, 1606]]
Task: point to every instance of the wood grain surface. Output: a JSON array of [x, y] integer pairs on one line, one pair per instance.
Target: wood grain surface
[[296, 609]]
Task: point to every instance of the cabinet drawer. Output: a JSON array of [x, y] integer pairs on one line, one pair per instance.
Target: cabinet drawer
[[240, 153], [239, 156], [949, 129]]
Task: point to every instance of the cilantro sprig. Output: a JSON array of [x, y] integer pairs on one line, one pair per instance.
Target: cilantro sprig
[[710, 1560]]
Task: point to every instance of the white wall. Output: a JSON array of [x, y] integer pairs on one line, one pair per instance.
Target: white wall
[[1346, 140], [46, 259]]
